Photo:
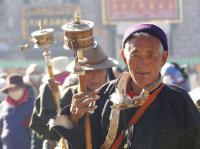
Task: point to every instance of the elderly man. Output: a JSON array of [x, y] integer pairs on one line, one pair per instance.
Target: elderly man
[[137, 110]]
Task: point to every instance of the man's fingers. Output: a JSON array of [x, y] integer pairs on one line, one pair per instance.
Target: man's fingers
[[82, 110], [86, 102], [82, 103], [89, 102], [77, 98], [84, 99], [92, 94], [79, 95]]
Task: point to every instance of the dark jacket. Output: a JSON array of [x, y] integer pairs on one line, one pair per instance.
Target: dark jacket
[[45, 109], [171, 122], [14, 119]]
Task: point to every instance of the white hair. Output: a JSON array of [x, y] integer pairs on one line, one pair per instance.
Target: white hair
[[143, 34]]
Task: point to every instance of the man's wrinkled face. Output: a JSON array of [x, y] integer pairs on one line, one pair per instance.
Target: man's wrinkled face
[[144, 59], [95, 79]]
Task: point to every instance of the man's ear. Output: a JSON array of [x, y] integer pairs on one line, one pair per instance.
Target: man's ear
[[123, 56], [164, 57]]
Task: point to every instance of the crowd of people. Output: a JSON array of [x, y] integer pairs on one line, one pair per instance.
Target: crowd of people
[[147, 105]]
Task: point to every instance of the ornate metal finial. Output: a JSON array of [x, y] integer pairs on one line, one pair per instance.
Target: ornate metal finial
[[77, 18]]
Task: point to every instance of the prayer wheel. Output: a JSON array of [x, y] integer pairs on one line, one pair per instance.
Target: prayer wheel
[[78, 34]]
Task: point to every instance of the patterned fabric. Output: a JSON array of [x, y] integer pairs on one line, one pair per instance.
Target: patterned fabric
[[171, 122]]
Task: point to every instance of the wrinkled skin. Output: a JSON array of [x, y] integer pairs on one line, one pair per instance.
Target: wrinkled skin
[[144, 60], [95, 78]]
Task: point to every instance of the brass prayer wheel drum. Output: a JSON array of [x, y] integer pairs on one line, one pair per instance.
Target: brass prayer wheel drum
[[78, 34], [43, 37]]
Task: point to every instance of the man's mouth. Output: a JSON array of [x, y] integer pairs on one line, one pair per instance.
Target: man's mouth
[[142, 73]]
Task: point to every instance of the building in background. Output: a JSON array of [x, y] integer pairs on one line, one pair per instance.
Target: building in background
[[111, 18]]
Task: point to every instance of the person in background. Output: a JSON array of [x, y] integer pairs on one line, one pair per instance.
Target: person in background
[[71, 80], [15, 113], [173, 74], [2, 84], [33, 77], [2, 95], [59, 65], [195, 95]]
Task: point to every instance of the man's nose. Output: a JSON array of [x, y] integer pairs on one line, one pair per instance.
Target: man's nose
[[142, 62], [96, 75]]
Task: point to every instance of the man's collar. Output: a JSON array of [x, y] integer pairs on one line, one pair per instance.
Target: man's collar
[[120, 99]]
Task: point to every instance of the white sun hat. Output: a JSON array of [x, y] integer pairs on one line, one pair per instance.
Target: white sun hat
[[59, 64]]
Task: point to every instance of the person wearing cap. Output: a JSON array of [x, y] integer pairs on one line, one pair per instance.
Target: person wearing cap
[[136, 110], [41, 113], [15, 113], [97, 72], [59, 65]]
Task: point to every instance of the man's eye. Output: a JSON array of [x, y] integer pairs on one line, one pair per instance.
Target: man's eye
[[150, 56], [133, 55]]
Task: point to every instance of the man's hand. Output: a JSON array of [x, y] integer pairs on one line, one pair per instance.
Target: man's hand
[[82, 103]]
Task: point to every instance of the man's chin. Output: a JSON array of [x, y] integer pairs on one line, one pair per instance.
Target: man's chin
[[91, 89], [141, 84]]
